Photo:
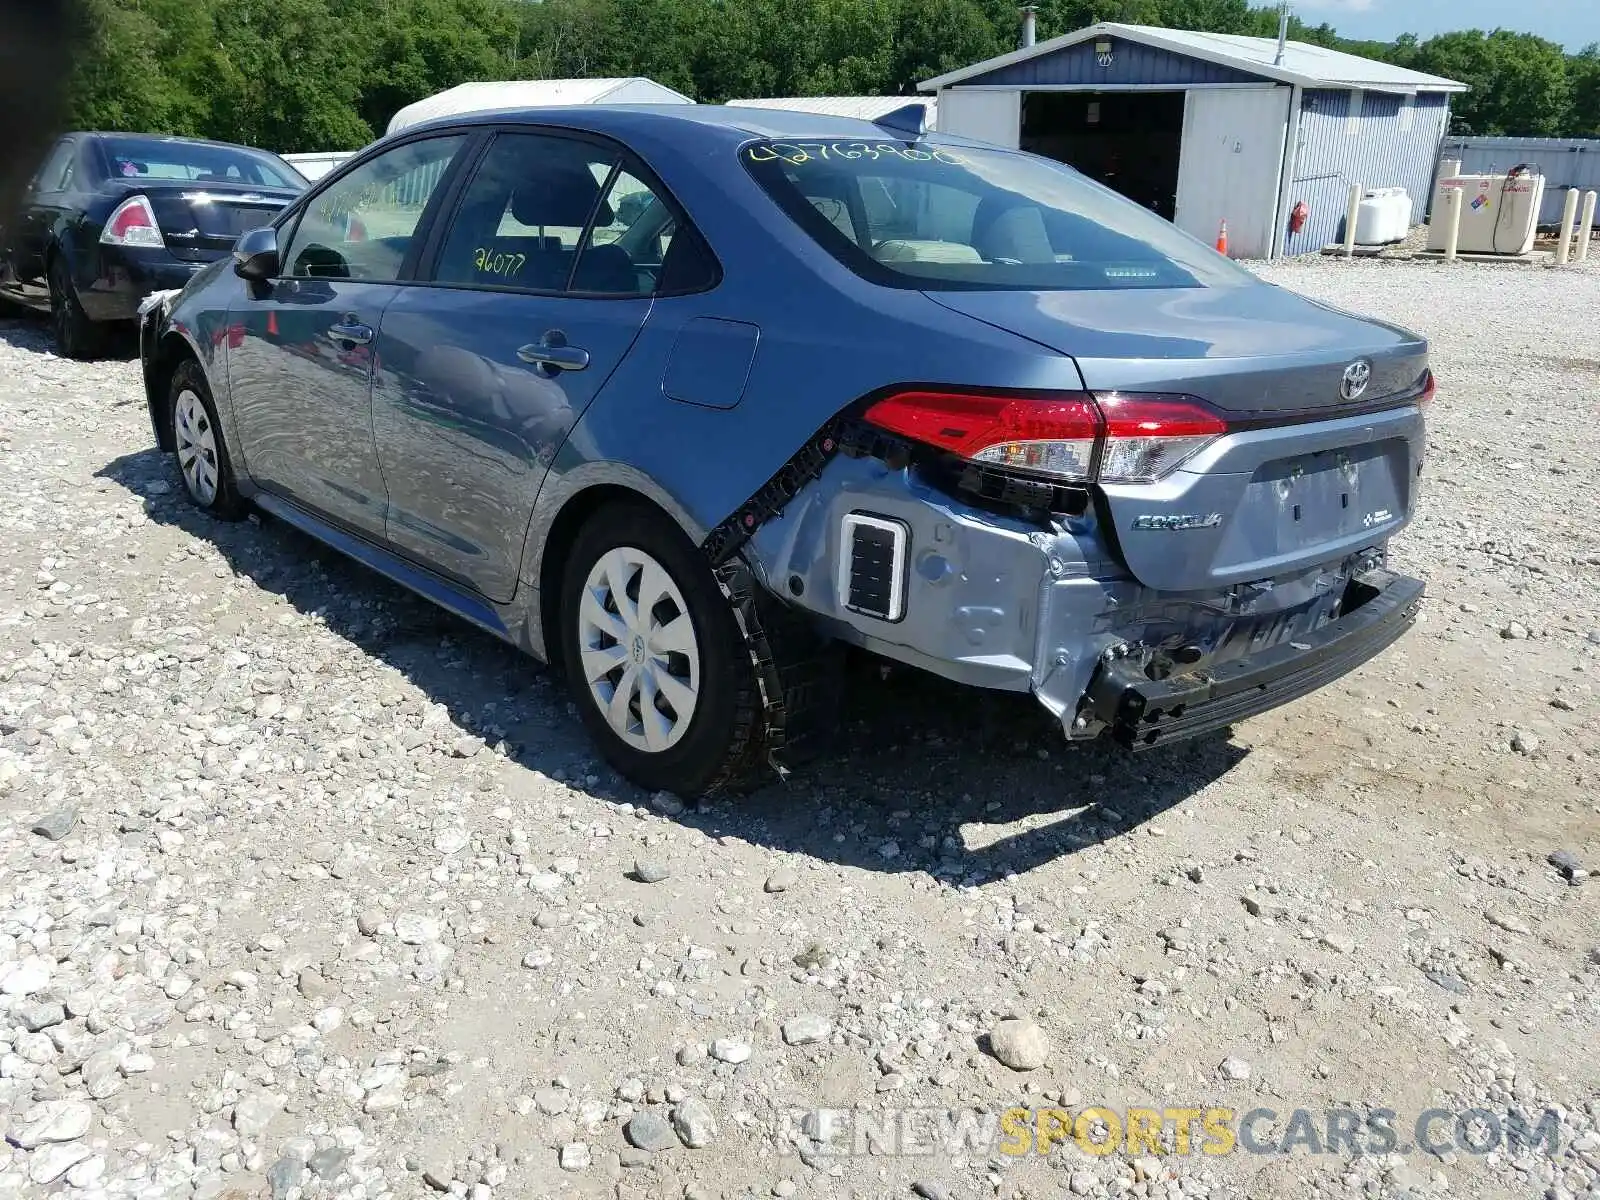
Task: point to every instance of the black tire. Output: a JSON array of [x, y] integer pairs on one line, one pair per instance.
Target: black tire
[[721, 747], [223, 501], [76, 335]]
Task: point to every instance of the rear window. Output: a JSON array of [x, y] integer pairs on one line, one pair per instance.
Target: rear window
[[152, 158], [927, 215]]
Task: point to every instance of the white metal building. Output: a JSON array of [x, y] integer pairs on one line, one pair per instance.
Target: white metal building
[[1205, 127], [534, 93], [868, 108], [315, 164]]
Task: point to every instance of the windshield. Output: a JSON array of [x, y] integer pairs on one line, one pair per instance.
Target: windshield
[[930, 215], [154, 158]]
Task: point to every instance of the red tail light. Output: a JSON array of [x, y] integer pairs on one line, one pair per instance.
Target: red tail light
[[1073, 437], [1430, 388], [132, 224], [1053, 434]]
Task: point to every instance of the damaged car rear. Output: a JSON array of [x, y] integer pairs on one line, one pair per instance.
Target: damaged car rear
[[684, 400]]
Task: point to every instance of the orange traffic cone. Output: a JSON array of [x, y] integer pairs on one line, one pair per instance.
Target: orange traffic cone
[[1222, 237]]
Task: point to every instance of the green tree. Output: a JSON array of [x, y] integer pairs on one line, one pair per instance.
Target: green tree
[[1518, 82], [118, 82], [933, 37], [1584, 72], [425, 46]]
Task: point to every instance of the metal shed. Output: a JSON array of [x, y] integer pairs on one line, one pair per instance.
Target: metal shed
[[534, 93], [1206, 127], [867, 108]]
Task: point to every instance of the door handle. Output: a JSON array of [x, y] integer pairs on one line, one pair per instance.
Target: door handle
[[358, 334], [552, 352]]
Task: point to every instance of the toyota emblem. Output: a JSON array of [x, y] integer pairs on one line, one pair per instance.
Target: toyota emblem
[[1356, 377]]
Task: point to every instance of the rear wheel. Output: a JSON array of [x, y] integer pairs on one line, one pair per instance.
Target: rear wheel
[[198, 446], [76, 335], [654, 658]]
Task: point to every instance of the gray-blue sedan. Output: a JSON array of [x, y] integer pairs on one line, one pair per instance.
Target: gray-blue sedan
[[685, 399]]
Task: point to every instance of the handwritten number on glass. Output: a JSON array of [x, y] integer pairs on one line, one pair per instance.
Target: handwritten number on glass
[[503, 264], [797, 154]]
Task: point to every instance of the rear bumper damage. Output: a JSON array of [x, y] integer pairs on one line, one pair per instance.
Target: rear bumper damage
[[879, 558], [1141, 712]]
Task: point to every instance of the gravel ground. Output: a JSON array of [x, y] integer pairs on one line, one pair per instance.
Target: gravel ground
[[308, 890]]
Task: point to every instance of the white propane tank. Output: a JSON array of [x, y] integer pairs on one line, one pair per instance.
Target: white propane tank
[[1400, 210], [1384, 217]]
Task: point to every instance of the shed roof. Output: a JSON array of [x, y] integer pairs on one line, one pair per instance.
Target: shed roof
[[1307, 65], [534, 93], [867, 108]]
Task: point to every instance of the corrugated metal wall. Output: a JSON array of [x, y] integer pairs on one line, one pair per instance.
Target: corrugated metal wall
[[1566, 163], [1379, 141], [1131, 63]]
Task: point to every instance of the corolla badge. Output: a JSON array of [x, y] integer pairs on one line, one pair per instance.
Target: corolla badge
[[1176, 521], [1356, 377]]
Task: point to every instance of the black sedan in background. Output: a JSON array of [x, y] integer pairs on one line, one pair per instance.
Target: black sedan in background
[[112, 217]]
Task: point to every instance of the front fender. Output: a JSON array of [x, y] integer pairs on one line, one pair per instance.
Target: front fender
[[194, 323], [162, 345]]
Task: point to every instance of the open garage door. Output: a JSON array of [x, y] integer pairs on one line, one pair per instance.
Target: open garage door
[[1229, 168]]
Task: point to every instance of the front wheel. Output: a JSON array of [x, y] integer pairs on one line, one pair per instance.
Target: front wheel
[[654, 658], [198, 446]]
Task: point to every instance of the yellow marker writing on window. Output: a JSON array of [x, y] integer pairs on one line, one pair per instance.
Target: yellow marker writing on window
[[501, 263]]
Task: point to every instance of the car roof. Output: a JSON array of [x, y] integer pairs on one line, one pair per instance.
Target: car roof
[[622, 119]]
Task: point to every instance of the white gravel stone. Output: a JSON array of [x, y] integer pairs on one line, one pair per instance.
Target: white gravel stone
[[87, 1173], [694, 1124], [730, 1050], [102, 1072], [806, 1029], [26, 977], [415, 929], [253, 1114], [52, 1121], [1021, 1045], [52, 1162], [575, 1156]]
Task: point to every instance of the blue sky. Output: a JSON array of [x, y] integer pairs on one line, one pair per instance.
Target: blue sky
[[1574, 23]]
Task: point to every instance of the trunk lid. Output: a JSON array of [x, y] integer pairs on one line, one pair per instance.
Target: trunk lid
[[1307, 473], [1253, 349], [201, 221]]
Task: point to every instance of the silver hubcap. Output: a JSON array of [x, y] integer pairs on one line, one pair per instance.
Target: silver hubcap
[[638, 649], [197, 446]]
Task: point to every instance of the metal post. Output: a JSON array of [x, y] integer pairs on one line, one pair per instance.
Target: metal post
[[1452, 222], [1286, 173], [1586, 226], [1351, 213], [1569, 218]]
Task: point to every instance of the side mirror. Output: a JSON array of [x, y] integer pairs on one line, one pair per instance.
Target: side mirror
[[255, 255]]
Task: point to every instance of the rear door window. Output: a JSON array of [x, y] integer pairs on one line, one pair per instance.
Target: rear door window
[[552, 214], [523, 214], [927, 215], [57, 169]]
